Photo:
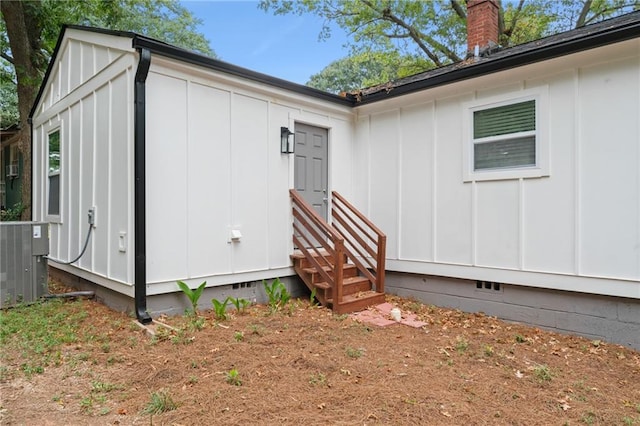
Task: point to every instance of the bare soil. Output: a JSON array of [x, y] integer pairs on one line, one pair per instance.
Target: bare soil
[[305, 365]]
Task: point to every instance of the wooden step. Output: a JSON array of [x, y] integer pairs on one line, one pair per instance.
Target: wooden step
[[350, 285], [349, 270], [300, 260], [357, 302]]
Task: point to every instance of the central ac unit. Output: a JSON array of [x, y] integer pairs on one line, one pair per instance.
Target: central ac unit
[[12, 170], [23, 263]]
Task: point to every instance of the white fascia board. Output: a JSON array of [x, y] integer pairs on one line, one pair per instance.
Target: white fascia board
[[105, 40]]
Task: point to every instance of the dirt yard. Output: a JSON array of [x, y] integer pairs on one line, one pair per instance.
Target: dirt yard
[[305, 365]]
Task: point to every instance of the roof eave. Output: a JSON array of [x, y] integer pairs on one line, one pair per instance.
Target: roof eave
[[543, 53]]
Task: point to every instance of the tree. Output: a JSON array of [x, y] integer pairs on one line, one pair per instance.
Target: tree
[[29, 31], [366, 69], [436, 30]]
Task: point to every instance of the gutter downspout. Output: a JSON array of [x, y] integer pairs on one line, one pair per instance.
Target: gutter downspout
[[30, 122], [140, 221]]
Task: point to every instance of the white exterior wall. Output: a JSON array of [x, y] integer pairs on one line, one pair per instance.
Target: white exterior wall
[[577, 229], [214, 164], [89, 98]]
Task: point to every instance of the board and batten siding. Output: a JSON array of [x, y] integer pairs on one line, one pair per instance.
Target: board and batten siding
[[577, 229], [214, 164], [89, 99]]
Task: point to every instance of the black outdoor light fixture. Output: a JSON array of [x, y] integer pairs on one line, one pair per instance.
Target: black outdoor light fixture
[[287, 141]]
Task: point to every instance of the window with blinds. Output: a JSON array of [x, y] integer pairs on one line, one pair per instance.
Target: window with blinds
[[505, 136]]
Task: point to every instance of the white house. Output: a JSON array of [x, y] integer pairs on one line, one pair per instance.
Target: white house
[[508, 184]]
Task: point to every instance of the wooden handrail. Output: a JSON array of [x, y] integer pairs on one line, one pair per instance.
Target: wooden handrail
[[312, 231], [366, 242]]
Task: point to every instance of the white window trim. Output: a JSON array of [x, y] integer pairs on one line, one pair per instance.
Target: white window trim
[[49, 129], [541, 169]]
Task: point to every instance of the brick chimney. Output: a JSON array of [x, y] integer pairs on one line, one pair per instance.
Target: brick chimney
[[482, 24]]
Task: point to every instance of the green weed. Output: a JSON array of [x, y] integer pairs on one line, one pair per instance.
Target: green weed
[[192, 295], [312, 297], [318, 379], [488, 350], [277, 293], [256, 329], [239, 303], [462, 344], [588, 418], [354, 353], [238, 336], [102, 387], [220, 308], [233, 377], [38, 331], [161, 402], [542, 373]]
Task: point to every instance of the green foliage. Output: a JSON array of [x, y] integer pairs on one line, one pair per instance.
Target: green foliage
[[542, 373], [437, 29], [462, 344], [277, 294], [318, 379], [312, 297], [220, 308], [161, 402], [12, 214], [399, 38], [239, 303], [366, 69], [354, 353], [192, 295], [39, 331], [233, 377]]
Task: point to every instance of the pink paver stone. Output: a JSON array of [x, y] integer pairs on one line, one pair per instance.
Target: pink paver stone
[[411, 321], [379, 315], [384, 308]]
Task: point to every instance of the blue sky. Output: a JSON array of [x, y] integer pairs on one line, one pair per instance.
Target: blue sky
[[281, 46]]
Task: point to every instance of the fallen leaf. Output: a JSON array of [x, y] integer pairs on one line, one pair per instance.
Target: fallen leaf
[[321, 406]]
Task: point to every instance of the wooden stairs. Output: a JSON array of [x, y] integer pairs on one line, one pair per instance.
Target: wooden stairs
[[342, 262], [357, 291]]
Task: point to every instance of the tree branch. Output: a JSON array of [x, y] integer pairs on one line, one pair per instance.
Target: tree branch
[[7, 58], [413, 33], [459, 9], [516, 15], [583, 13]]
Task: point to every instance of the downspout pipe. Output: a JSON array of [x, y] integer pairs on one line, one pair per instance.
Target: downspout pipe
[[140, 215]]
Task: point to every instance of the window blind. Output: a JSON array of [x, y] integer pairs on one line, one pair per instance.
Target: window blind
[[517, 152], [520, 117]]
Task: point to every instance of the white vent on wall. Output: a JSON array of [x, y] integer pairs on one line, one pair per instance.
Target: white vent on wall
[[12, 170]]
